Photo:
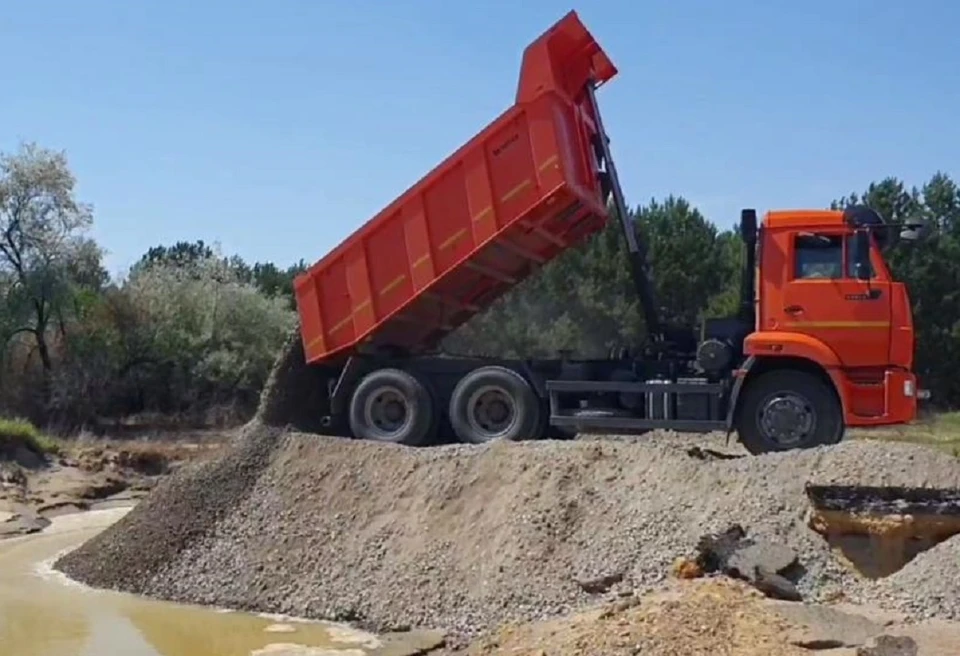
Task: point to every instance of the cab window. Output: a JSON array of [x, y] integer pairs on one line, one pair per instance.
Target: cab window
[[818, 257]]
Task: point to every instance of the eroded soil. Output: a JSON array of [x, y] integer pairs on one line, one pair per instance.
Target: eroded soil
[[85, 475]]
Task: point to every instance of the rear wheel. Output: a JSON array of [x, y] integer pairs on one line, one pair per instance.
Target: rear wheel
[[788, 409], [494, 403], [391, 405]]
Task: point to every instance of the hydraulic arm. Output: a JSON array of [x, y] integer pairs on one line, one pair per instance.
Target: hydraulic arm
[[636, 249]]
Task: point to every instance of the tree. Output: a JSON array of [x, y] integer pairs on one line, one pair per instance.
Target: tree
[[44, 255], [199, 335], [585, 301], [931, 270]]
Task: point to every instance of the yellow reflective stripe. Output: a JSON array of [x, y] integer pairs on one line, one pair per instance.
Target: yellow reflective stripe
[[839, 324]]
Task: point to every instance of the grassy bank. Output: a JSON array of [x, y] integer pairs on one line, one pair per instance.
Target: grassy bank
[[17, 434], [941, 431]]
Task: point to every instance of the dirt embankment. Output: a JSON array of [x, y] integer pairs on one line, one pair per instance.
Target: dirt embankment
[[80, 475]]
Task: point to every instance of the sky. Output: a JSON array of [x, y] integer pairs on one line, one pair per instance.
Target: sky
[[277, 129]]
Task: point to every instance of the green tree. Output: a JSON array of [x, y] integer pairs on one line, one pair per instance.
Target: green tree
[[202, 335], [931, 270], [585, 300]]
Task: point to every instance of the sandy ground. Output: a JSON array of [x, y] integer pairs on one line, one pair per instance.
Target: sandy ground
[[720, 617], [89, 475]]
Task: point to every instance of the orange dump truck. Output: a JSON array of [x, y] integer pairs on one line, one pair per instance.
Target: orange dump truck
[[823, 338]]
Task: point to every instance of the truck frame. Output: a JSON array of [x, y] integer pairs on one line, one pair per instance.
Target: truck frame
[[802, 359]]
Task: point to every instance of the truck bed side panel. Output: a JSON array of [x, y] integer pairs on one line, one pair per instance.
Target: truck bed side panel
[[514, 197]]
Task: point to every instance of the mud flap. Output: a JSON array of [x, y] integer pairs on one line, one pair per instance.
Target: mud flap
[[735, 392]]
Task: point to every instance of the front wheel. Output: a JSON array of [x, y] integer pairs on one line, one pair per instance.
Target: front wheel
[[787, 409]]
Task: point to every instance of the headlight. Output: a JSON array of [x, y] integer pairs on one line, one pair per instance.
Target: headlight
[[909, 389]]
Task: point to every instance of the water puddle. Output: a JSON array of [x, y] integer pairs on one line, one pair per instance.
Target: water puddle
[[42, 613]]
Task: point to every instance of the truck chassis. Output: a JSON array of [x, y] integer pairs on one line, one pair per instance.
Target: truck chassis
[[420, 400]]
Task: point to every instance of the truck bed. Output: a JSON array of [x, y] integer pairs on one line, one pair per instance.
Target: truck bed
[[515, 196]]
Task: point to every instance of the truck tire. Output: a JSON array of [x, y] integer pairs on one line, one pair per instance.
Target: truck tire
[[494, 403], [787, 409], [392, 405]]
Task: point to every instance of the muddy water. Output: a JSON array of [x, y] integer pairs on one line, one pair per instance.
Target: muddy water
[[44, 614]]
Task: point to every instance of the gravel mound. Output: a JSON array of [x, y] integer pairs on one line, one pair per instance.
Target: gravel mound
[[178, 511], [928, 587], [464, 538]]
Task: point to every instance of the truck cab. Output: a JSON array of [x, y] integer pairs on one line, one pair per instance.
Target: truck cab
[[825, 294]]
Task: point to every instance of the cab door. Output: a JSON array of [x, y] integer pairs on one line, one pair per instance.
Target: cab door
[[823, 298]]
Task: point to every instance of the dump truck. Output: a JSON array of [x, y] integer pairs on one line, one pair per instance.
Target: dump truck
[[823, 338]]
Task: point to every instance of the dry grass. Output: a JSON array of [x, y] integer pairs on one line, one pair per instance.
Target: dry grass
[[941, 431], [17, 434]]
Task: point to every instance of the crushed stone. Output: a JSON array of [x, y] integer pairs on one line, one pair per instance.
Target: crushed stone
[[465, 538], [928, 587]]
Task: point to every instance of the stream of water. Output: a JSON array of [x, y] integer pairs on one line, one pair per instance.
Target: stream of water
[[43, 613]]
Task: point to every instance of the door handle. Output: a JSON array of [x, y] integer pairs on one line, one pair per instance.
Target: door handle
[[793, 309]]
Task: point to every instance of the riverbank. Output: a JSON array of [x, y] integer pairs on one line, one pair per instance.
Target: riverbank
[[41, 479]]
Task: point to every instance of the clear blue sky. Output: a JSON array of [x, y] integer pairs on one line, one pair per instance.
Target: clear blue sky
[[277, 128]]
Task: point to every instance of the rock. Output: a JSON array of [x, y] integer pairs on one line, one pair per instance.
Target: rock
[[62, 507], [822, 627], [771, 556], [760, 562], [12, 474], [601, 584], [23, 524], [773, 585], [701, 453], [888, 645], [103, 488], [27, 458], [410, 643]]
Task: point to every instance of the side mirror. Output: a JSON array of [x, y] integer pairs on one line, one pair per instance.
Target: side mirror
[[913, 231], [861, 254]]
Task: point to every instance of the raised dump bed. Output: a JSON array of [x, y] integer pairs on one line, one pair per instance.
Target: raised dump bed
[[512, 198]]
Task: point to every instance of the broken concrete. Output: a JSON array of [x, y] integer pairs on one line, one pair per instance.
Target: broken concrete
[[764, 564], [823, 627], [889, 645]]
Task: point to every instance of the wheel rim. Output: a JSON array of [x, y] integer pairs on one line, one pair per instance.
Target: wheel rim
[[387, 413], [491, 412], [786, 419]]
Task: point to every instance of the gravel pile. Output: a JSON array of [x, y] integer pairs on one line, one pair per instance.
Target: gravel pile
[[464, 538], [179, 511], [928, 587]]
